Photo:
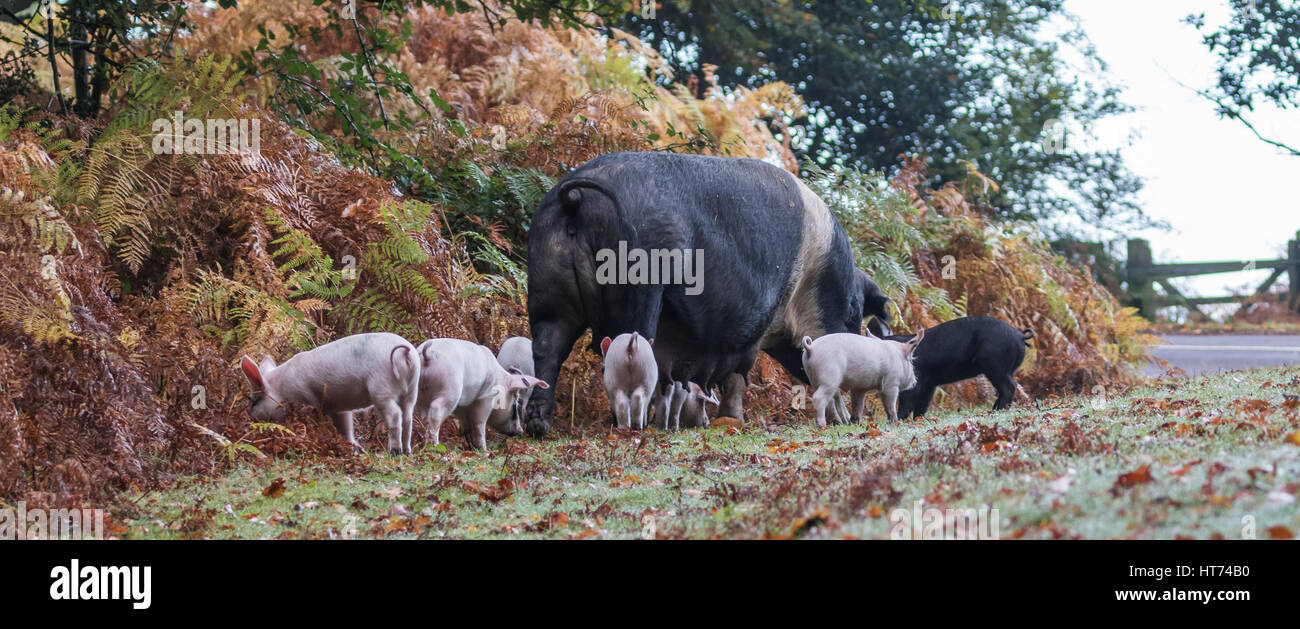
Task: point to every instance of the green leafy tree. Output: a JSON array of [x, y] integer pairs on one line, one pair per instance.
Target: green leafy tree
[[977, 83], [97, 39], [1258, 63]]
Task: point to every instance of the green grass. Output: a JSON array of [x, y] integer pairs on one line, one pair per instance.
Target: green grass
[[1217, 450]]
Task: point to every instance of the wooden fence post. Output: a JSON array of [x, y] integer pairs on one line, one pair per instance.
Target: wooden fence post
[[1293, 272], [1139, 278]]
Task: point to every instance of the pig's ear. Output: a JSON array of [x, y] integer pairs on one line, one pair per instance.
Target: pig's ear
[[604, 345], [708, 396], [916, 340], [266, 365], [539, 383], [652, 341], [251, 372]]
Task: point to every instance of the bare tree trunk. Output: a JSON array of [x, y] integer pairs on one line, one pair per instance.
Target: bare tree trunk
[[78, 43]]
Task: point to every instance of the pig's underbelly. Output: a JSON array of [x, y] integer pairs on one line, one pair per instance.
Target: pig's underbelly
[[345, 396], [868, 383]]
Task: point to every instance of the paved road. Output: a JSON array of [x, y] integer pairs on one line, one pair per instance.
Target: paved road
[[1209, 354]]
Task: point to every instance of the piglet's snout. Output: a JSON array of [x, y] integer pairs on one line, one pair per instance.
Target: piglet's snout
[[516, 425]]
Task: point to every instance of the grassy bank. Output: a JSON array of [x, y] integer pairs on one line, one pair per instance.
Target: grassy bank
[[1176, 458]]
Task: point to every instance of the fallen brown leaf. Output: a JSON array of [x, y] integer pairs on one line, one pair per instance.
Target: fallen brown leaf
[[1137, 477], [275, 489]]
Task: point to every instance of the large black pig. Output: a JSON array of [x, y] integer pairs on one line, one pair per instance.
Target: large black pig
[[766, 264]]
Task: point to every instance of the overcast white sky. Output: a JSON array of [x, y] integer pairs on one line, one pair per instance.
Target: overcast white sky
[[1227, 195]]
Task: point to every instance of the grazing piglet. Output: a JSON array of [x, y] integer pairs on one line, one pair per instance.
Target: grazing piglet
[[516, 354], [860, 364], [630, 376], [379, 369], [965, 348], [464, 378], [692, 413], [683, 407], [666, 407]]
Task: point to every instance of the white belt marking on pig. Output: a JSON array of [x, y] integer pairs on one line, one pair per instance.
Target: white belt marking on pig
[[800, 315], [1235, 348]]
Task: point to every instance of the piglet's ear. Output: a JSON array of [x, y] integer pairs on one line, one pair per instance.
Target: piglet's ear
[[251, 372], [604, 345], [911, 345], [541, 384]]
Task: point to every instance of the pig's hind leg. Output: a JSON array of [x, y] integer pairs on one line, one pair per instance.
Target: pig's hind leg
[[640, 409], [553, 339], [407, 404], [822, 397], [392, 415], [622, 409], [1006, 388], [438, 410]]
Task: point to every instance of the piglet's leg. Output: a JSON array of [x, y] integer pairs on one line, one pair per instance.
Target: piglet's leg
[[889, 399], [661, 404], [392, 415], [821, 398], [473, 423], [408, 422], [343, 423], [859, 398], [841, 409], [641, 408], [622, 410], [439, 409], [679, 398]]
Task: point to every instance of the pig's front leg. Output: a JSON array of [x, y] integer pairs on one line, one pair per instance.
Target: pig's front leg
[[473, 423], [343, 423], [733, 397], [859, 401], [889, 399], [662, 403], [675, 412], [841, 416]]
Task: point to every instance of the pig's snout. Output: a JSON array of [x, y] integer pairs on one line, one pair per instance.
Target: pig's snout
[[515, 426]]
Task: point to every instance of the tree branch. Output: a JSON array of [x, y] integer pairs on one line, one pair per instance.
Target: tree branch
[[1228, 111]]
